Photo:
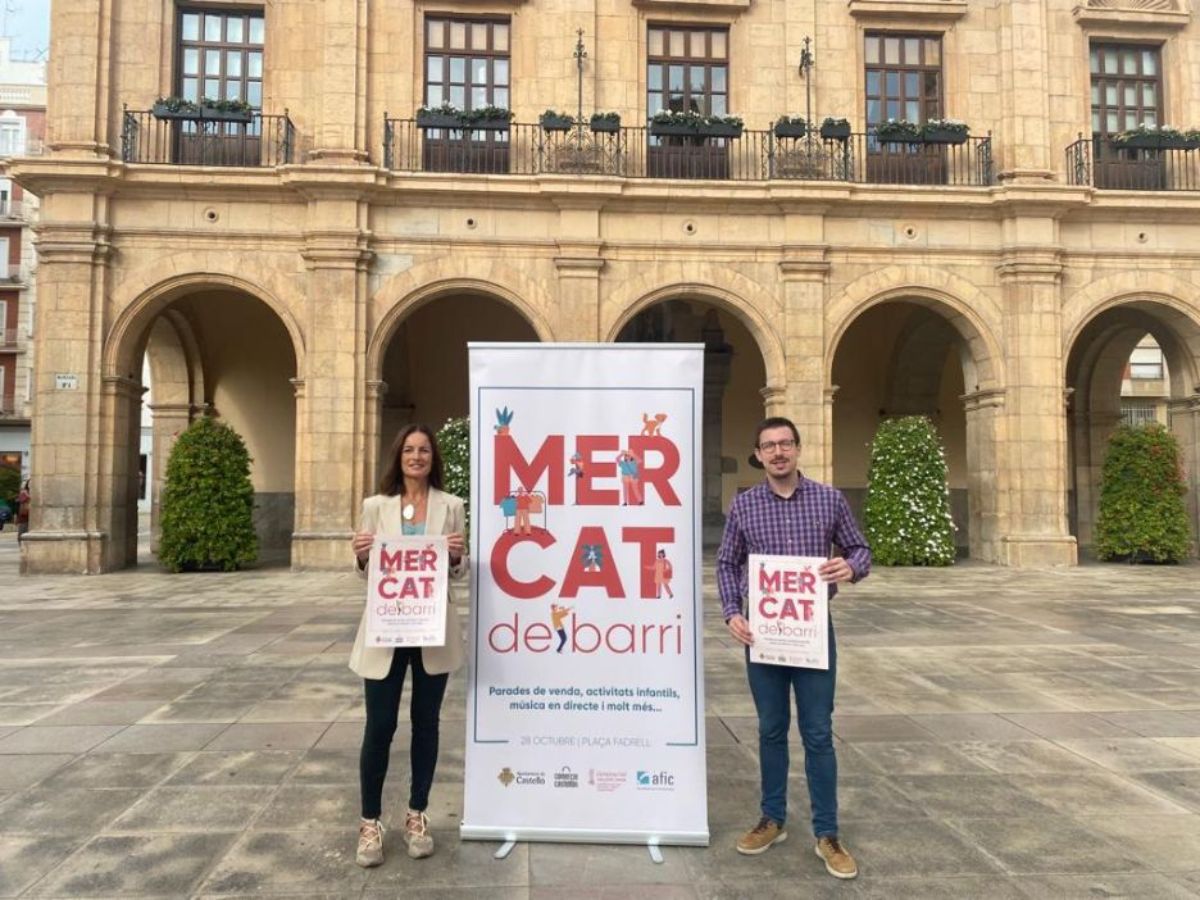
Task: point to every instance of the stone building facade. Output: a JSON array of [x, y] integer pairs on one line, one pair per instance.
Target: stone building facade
[[313, 275]]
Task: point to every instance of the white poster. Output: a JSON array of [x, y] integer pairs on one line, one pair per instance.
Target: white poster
[[407, 578], [585, 717], [789, 611]]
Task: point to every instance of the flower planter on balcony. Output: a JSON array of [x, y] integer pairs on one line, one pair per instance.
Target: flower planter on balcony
[[835, 131], [242, 116], [791, 129], [487, 125], [715, 129], [557, 123], [440, 120], [943, 136], [167, 114], [605, 126], [1154, 142]]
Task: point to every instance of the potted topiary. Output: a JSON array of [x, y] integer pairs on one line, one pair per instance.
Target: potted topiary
[[944, 131], [1142, 517], [898, 131], [208, 501], [489, 118], [906, 515], [605, 122], [444, 116], [174, 108], [788, 127], [835, 128], [556, 121]]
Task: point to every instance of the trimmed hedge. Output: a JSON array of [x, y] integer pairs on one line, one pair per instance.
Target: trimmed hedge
[[454, 442], [208, 501], [1142, 517], [907, 511]]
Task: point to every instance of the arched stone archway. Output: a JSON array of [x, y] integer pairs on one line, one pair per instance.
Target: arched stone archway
[[735, 380], [417, 360], [211, 347], [1097, 362], [909, 353]]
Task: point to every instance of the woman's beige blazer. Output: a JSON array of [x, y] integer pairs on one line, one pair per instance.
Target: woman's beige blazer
[[444, 514]]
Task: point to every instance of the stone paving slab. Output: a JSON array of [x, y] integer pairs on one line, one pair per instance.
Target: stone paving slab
[[197, 736]]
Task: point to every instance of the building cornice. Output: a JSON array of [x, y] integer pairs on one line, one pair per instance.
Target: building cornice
[[916, 12]]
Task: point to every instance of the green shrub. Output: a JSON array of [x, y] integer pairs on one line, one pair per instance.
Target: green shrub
[[454, 442], [10, 485], [1142, 516], [208, 501], [907, 511]]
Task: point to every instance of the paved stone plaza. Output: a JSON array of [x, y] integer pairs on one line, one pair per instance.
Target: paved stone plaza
[[1001, 734]]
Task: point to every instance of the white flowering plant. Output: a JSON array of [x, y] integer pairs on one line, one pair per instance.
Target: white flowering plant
[[454, 444], [907, 511]]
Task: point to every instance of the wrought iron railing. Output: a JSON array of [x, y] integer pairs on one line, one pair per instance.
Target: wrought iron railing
[[636, 152], [1098, 162], [264, 141]]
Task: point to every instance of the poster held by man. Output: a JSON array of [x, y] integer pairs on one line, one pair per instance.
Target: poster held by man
[[788, 610]]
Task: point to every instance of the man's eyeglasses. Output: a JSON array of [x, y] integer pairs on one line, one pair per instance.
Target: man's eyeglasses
[[770, 446]]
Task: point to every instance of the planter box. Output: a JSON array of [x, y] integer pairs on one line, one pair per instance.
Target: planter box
[[1152, 142], [671, 129], [898, 137], [836, 132], [557, 123], [487, 125], [439, 120], [229, 115], [790, 129], [604, 126], [943, 136], [161, 111]]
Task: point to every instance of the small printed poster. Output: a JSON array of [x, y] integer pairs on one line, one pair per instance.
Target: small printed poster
[[789, 611], [407, 583]]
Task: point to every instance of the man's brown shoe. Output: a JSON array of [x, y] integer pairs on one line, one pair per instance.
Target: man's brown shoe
[[760, 838], [838, 861]]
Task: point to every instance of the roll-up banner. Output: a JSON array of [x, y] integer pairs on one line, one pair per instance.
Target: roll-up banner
[[586, 682]]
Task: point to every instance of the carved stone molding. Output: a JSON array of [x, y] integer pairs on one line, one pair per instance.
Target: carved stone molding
[[1133, 13], [924, 12]]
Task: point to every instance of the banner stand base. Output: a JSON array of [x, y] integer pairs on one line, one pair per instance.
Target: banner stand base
[[656, 856], [504, 849]]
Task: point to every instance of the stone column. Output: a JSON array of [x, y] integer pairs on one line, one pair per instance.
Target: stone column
[[79, 76], [116, 501], [1025, 157], [1094, 428], [577, 312], [341, 133], [68, 531], [1035, 420], [373, 423], [331, 402], [985, 509], [718, 356], [804, 273], [1185, 425]]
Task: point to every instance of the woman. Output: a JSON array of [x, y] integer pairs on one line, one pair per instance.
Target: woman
[[410, 501]]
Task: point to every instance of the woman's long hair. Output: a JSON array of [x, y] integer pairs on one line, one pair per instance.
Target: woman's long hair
[[392, 482]]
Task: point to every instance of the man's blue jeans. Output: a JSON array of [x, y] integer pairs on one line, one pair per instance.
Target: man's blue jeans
[[772, 688]]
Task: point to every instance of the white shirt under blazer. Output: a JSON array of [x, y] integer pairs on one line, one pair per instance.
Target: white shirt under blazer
[[444, 514]]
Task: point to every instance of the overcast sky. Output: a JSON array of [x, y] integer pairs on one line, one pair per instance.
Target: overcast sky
[[27, 22]]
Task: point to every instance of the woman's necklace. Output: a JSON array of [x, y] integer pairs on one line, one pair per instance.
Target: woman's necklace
[[409, 510]]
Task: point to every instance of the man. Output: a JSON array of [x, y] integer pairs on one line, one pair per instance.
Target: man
[[789, 515]]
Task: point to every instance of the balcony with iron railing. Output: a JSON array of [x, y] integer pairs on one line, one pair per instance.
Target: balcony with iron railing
[[1101, 162], [634, 152], [9, 338], [262, 141]]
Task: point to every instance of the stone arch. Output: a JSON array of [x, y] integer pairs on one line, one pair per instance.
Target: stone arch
[[770, 344], [126, 339], [1104, 329], [973, 313], [418, 295]]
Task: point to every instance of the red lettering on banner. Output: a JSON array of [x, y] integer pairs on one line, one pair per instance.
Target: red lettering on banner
[[586, 445], [659, 478], [519, 590], [647, 540], [605, 575], [547, 461]]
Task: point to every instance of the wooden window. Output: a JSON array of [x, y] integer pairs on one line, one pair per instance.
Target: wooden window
[[220, 55], [467, 62], [903, 77], [1126, 87], [688, 69]]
